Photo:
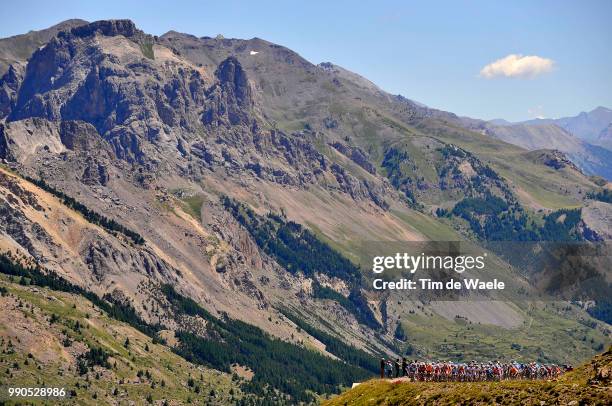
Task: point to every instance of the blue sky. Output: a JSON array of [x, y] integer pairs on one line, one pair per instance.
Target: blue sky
[[432, 52]]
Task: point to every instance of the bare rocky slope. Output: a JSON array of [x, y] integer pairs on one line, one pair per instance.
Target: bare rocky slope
[[118, 148]]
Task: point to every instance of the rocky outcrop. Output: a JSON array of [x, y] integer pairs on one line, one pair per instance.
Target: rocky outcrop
[[230, 100], [597, 217], [15, 224], [95, 172], [105, 259], [357, 155], [79, 136], [131, 100], [9, 86], [234, 263], [4, 147], [23, 140], [26, 139], [556, 160], [108, 28], [358, 189]]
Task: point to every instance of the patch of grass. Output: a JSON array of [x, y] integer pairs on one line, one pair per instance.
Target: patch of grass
[[544, 335], [431, 228], [193, 206], [78, 323], [147, 50]]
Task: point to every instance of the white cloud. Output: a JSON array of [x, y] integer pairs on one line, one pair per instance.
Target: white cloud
[[517, 66]]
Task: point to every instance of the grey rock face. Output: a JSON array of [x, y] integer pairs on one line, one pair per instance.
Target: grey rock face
[[231, 100], [109, 28], [357, 155], [103, 80], [95, 173], [9, 85], [78, 135], [15, 224], [22, 140], [79, 76]]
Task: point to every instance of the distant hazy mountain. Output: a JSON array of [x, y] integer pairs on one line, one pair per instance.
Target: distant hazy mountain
[[592, 127], [605, 137], [586, 138], [592, 159], [500, 121]]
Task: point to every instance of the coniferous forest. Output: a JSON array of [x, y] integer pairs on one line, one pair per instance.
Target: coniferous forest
[[278, 365]]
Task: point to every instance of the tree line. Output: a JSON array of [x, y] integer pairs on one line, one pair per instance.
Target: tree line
[[35, 275], [336, 346], [93, 217], [277, 365], [604, 195], [492, 219]]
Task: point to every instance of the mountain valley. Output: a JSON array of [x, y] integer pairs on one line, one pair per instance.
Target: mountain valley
[[223, 190]]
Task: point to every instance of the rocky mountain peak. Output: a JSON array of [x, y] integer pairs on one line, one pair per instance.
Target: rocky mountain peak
[[18, 49], [108, 28]]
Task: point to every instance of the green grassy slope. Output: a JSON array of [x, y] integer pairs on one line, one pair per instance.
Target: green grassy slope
[[44, 333], [551, 332], [541, 185]]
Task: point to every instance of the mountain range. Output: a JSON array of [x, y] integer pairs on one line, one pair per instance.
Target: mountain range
[[585, 138], [592, 126], [217, 194]]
